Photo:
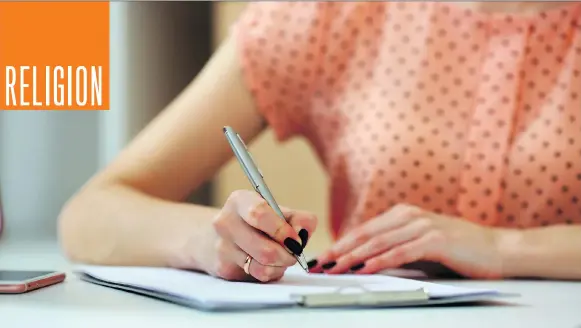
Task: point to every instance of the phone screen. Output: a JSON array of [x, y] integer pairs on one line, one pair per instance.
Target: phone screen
[[11, 275]]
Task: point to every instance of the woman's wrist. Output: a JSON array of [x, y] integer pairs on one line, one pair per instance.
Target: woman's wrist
[[189, 242], [548, 252], [514, 254], [524, 254]]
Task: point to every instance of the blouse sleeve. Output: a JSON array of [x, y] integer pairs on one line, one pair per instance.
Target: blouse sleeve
[[278, 45]]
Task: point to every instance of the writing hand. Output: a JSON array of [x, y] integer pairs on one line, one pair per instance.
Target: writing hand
[[247, 225]]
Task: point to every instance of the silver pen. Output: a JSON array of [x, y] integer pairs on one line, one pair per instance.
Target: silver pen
[[256, 178]]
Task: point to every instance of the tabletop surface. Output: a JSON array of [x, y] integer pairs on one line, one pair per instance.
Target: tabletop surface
[[75, 303]]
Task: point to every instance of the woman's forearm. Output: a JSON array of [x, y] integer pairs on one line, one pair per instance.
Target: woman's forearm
[[549, 252], [116, 225]]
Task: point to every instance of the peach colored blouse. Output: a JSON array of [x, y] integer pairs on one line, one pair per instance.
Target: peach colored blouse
[[456, 111]]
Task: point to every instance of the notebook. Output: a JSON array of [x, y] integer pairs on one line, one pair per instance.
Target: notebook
[[295, 289]]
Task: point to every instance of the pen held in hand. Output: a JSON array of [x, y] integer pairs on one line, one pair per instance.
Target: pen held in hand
[[256, 179]]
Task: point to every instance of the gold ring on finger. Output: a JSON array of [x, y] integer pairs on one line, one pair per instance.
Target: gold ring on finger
[[247, 264]]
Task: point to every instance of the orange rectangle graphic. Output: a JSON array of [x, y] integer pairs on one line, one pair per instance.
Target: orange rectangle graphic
[[54, 55]]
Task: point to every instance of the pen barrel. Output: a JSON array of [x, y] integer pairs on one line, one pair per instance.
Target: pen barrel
[[267, 196]]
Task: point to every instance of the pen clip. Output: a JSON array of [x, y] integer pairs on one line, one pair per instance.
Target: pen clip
[[250, 155], [241, 141]]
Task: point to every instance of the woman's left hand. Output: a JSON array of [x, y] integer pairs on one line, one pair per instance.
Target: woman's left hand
[[407, 234]]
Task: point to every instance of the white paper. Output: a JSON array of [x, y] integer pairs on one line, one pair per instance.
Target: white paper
[[207, 289]]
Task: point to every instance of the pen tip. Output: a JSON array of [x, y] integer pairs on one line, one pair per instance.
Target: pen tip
[[303, 262]]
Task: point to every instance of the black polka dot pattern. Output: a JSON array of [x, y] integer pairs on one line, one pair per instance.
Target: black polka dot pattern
[[456, 111]]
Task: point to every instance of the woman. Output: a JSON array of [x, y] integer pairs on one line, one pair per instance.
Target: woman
[[450, 133]]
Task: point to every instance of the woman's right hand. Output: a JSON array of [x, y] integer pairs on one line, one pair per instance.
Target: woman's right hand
[[247, 226]]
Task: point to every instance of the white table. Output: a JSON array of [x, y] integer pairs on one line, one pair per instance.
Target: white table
[[80, 304]]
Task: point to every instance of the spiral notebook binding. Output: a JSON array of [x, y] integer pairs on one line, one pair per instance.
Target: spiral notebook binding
[[364, 297]]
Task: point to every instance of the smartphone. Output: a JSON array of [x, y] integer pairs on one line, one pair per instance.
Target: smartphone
[[18, 282]]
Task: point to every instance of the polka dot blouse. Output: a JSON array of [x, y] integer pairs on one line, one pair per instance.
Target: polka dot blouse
[[456, 111]]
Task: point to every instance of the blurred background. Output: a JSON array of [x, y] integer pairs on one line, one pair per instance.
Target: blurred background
[[156, 49]]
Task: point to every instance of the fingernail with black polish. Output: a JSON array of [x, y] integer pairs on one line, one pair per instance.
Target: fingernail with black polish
[[357, 267], [294, 246], [312, 263], [329, 265], [304, 234]]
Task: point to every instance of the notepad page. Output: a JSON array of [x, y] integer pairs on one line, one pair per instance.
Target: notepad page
[[207, 289]]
